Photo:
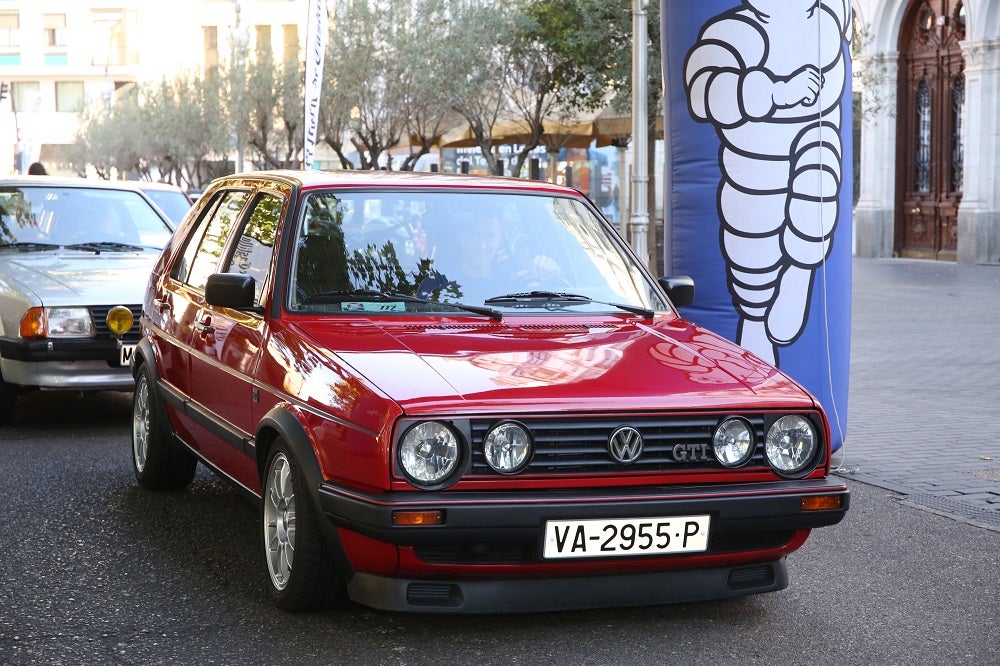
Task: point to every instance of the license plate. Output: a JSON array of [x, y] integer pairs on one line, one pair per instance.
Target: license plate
[[125, 354], [628, 536]]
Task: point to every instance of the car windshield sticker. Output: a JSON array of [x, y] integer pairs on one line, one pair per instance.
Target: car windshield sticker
[[367, 306]]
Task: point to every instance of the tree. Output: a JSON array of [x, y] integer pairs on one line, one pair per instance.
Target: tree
[[268, 105], [170, 130]]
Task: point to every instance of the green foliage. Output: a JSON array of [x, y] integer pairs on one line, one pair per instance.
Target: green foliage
[[397, 73]]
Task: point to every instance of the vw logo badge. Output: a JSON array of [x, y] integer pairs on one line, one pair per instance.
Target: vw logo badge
[[625, 445]]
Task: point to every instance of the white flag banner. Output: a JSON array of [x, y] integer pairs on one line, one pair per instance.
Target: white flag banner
[[315, 53]]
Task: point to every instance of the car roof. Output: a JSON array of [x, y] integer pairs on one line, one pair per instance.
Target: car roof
[[155, 185], [310, 179], [67, 181]]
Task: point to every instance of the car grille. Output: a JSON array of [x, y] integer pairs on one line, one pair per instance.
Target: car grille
[[580, 446], [99, 314]]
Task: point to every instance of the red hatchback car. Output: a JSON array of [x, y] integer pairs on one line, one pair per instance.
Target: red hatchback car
[[465, 394]]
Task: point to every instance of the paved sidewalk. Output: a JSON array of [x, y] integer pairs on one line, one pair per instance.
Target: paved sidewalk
[[924, 402]]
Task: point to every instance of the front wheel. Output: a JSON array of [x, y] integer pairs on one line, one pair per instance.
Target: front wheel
[[158, 463], [300, 568]]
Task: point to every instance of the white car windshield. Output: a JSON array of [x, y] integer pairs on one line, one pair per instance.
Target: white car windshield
[[404, 251], [54, 216]]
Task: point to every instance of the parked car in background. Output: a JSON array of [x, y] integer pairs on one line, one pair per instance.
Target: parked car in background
[[174, 201], [466, 394], [75, 256]]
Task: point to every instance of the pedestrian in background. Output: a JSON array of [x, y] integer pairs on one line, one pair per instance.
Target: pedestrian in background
[[37, 169]]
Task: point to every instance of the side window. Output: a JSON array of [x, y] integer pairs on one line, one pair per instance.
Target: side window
[[208, 240], [255, 246]]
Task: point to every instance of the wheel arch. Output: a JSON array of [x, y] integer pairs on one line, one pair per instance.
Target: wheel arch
[[280, 422], [144, 353]]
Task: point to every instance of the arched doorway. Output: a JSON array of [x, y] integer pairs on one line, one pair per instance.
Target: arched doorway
[[929, 129]]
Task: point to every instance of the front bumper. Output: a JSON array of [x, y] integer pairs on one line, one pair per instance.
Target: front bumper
[[449, 567], [69, 364]]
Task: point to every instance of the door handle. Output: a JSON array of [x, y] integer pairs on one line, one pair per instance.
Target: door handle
[[205, 327], [161, 304]]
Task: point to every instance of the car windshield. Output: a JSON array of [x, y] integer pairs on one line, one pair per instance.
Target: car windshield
[[174, 203], [419, 251], [97, 219]]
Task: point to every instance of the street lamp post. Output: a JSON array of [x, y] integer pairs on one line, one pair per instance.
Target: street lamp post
[[107, 91], [639, 219], [240, 40]]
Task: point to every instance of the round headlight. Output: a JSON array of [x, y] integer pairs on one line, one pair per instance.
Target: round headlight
[[791, 444], [733, 442], [508, 447], [119, 319], [429, 452]]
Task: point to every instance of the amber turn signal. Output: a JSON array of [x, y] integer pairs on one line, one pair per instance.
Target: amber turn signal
[[33, 323], [416, 518], [822, 502]]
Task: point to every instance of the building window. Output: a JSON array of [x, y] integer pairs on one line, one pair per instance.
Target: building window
[[211, 38], [291, 35], [25, 96], [922, 179], [10, 30], [114, 37], [55, 30], [264, 39], [69, 96]]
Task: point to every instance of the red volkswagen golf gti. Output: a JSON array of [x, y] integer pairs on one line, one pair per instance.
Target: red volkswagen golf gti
[[465, 394]]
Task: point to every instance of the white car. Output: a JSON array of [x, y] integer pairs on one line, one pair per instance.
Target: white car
[[75, 256]]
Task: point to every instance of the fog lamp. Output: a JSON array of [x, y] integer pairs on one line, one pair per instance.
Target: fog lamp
[[119, 319]]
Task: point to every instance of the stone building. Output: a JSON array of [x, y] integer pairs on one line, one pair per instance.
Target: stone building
[[928, 76]]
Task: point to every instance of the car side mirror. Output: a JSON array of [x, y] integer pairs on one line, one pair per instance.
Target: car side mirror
[[679, 288], [230, 290]]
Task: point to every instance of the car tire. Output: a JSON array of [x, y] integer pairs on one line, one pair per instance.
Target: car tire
[[158, 462], [8, 397], [298, 561]]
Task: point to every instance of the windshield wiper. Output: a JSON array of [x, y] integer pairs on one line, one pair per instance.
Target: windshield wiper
[[99, 246], [28, 246], [564, 299], [341, 295]]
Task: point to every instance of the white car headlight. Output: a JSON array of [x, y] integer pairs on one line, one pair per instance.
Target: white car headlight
[[508, 447], [791, 444], [733, 442], [57, 322], [429, 452]]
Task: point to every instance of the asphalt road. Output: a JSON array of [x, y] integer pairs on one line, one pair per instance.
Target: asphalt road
[[97, 571]]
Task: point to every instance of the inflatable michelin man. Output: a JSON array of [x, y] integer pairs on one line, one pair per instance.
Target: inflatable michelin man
[[769, 75]]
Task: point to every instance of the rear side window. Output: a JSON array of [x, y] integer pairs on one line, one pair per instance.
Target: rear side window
[[255, 246], [207, 242]]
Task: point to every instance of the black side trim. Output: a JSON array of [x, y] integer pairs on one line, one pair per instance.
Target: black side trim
[[224, 430]]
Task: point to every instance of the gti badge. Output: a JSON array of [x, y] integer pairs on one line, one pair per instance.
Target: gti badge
[[625, 445]]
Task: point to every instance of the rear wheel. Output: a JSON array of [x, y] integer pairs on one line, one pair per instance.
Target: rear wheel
[[158, 462], [300, 568], [8, 396]]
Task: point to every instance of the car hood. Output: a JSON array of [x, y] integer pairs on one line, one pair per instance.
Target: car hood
[[608, 364], [72, 277]]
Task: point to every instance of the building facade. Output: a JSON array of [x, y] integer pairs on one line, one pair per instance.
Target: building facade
[[59, 56], [929, 79]]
